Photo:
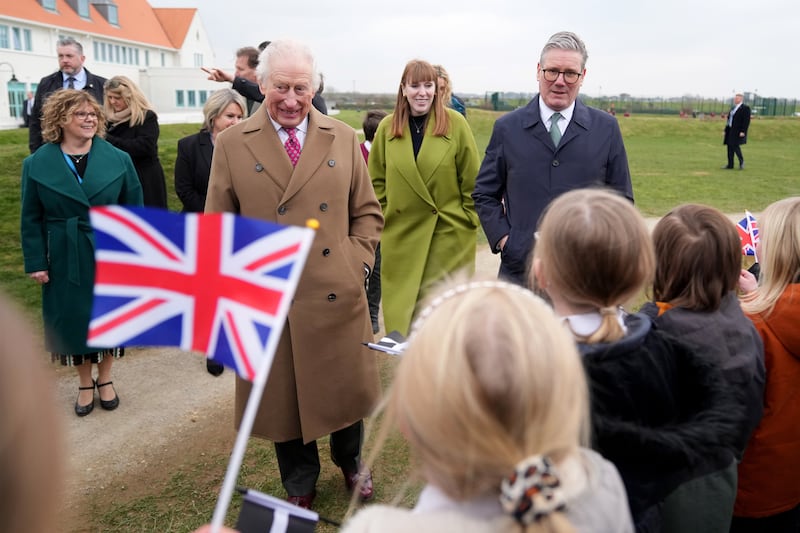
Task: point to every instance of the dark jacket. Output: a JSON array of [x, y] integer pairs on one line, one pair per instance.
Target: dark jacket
[[141, 143], [659, 413], [52, 83], [523, 171], [57, 236], [727, 338], [192, 168], [739, 124]]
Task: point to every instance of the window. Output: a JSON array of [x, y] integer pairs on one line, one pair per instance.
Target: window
[[83, 8], [116, 53], [96, 51], [192, 98], [103, 52], [163, 59], [113, 18], [198, 60], [49, 4], [147, 58], [26, 40], [3, 36], [203, 97], [125, 55], [179, 98], [16, 37], [136, 55]]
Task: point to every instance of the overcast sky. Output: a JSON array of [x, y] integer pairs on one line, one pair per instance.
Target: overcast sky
[[711, 48]]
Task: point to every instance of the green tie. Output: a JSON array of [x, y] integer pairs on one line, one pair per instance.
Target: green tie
[[555, 133]]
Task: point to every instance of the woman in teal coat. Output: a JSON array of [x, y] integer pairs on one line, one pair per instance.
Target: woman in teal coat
[[61, 181], [423, 164]]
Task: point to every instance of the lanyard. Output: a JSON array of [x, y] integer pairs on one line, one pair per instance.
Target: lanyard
[[71, 166]]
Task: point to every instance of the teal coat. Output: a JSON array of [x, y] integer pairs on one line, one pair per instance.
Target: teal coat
[[57, 235], [430, 220]]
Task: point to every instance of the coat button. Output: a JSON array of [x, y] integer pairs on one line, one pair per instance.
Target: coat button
[[259, 167], [282, 210], [555, 162], [323, 207], [331, 297], [326, 252], [331, 163], [434, 211]]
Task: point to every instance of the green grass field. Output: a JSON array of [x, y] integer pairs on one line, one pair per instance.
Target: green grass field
[[672, 161]]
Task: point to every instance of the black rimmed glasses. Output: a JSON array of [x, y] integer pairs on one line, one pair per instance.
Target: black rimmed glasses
[[551, 74]]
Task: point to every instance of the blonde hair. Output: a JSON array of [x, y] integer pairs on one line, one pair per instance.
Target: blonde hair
[[595, 251], [490, 378], [779, 252], [31, 469], [219, 102], [417, 71], [135, 99], [58, 109], [447, 90]]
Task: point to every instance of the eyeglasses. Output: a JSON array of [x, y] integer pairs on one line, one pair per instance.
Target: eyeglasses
[[551, 74], [83, 115]]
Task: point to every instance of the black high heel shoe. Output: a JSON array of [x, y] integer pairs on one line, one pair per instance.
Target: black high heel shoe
[[83, 410], [108, 405]]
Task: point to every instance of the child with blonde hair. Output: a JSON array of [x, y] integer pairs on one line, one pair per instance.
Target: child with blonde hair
[[768, 497], [492, 399], [654, 403]]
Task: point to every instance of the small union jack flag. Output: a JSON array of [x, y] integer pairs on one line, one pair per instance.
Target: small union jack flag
[[218, 283], [748, 233]]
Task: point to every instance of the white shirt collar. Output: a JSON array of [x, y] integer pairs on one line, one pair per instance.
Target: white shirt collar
[[368, 145], [300, 131], [545, 113], [80, 79]]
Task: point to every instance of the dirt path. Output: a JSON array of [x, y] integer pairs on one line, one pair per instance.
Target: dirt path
[[171, 412]]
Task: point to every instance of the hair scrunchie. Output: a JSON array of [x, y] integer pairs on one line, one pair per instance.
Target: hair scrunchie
[[532, 491]]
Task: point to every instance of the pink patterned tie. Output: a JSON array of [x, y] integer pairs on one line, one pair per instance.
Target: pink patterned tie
[[292, 146]]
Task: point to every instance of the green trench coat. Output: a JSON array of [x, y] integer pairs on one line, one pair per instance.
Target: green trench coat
[[57, 235], [430, 220]]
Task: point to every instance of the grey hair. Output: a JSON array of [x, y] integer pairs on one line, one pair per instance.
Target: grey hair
[[216, 104], [286, 48], [565, 40], [69, 41]]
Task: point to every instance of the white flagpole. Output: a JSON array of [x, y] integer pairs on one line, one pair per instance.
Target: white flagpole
[[254, 400]]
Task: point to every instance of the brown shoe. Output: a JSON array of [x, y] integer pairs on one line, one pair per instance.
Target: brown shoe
[[362, 480], [304, 501]]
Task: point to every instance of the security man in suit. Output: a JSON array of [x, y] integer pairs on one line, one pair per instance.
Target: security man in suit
[[71, 75], [736, 130]]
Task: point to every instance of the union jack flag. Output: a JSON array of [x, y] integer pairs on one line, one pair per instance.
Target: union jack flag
[[218, 283], [748, 233]]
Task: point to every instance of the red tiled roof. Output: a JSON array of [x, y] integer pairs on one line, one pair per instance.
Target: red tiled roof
[[176, 22], [138, 21]]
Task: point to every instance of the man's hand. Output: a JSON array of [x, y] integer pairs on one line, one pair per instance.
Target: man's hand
[[215, 74]]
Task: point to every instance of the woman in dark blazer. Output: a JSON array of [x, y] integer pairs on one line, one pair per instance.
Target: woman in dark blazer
[[223, 109], [74, 170], [133, 128]]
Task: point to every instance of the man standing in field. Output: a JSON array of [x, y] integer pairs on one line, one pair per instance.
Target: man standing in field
[[736, 130], [552, 145]]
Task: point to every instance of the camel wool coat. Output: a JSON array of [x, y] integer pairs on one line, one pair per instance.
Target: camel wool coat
[[322, 379]]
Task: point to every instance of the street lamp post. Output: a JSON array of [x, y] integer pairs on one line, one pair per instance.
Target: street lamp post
[[13, 76]]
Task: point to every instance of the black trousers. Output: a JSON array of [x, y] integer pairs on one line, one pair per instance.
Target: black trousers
[[374, 291], [735, 148], [299, 462], [785, 522]]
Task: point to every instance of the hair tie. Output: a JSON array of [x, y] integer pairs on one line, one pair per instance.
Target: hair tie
[[532, 491], [609, 310]]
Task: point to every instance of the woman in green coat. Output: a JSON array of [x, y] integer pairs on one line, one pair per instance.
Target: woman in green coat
[[423, 164], [75, 170]]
